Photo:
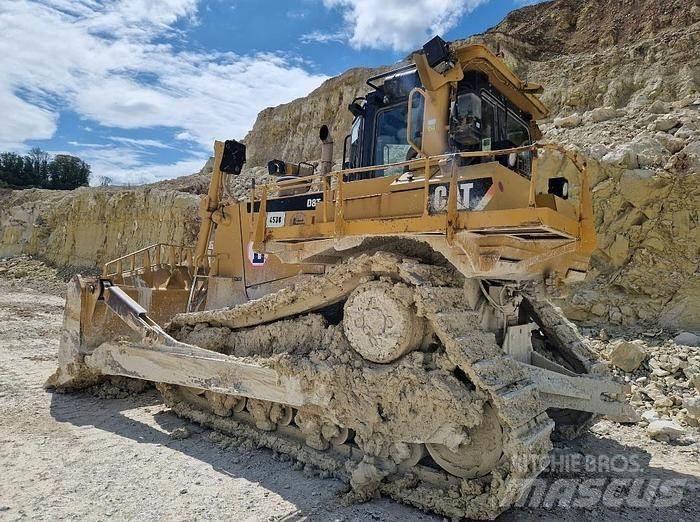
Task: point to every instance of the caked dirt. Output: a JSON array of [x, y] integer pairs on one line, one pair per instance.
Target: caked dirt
[[80, 456]]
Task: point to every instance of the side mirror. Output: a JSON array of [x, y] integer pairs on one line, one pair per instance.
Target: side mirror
[[233, 157], [356, 108]]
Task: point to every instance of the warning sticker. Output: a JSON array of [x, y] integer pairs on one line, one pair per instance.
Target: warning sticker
[[255, 258]]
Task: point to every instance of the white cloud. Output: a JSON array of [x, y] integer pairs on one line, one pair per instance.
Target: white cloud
[[397, 24], [116, 63], [21, 119], [142, 143], [135, 172], [87, 145], [323, 37], [131, 165], [184, 136]]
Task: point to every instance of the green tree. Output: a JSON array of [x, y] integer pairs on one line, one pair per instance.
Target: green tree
[[68, 172], [38, 169], [11, 169], [37, 166]]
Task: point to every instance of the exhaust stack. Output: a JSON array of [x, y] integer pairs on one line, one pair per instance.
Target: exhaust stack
[[326, 149]]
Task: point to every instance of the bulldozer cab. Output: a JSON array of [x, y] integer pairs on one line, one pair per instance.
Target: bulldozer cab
[[391, 120]]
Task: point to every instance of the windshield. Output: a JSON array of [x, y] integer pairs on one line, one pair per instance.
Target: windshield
[[391, 145]]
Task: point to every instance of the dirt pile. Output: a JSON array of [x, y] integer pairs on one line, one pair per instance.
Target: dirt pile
[[24, 272], [644, 160]]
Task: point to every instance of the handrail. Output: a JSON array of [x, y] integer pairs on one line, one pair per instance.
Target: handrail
[[433, 160], [151, 256], [409, 119]]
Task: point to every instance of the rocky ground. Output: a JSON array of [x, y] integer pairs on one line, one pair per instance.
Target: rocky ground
[[80, 456]]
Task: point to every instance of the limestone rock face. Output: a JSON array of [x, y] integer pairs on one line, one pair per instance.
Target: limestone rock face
[[290, 131], [89, 226]]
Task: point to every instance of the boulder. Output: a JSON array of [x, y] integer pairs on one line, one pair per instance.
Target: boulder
[[665, 430], [691, 156], [618, 252], [684, 133], [692, 405], [622, 156], [663, 402], [643, 151], [649, 152], [605, 113], [628, 355], [650, 416], [687, 339], [568, 122], [670, 142], [666, 123], [660, 107]]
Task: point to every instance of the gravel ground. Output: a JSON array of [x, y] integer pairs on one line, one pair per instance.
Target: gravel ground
[[77, 456]]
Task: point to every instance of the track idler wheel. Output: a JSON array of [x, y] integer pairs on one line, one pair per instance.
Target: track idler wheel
[[281, 414], [380, 321], [478, 455]]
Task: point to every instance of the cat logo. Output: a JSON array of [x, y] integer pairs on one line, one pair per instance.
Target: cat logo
[[473, 194]]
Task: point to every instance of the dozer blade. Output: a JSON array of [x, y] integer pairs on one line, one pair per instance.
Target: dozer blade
[[188, 365]]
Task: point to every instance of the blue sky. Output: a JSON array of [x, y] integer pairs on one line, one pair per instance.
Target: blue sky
[[141, 88]]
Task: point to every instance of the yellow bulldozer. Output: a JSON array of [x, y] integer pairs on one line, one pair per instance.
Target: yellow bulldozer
[[385, 321]]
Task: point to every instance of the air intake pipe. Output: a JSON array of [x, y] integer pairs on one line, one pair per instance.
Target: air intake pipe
[[326, 149]]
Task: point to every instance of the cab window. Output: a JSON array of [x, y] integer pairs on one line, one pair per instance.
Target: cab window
[[417, 110], [354, 150], [465, 120], [391, 145], [516, 131]]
